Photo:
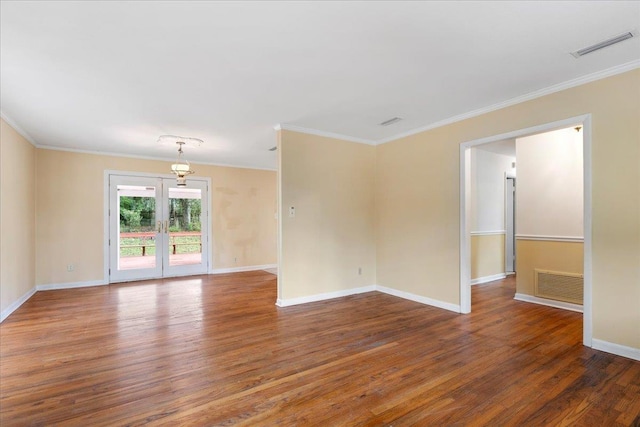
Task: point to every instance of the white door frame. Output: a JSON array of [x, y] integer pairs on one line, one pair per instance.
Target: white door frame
[[465, 190], [510, 231], [105, 233]]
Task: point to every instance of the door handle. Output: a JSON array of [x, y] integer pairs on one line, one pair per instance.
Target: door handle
[[159, 227], [166, 227]]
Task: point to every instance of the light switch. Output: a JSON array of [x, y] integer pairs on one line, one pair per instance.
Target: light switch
[[292, 212]]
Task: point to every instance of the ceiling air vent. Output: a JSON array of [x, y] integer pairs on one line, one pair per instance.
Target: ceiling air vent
[[390, 121], [603, 44]]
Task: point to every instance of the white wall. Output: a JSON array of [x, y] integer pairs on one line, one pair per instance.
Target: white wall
[[550, 184], [487, 189]]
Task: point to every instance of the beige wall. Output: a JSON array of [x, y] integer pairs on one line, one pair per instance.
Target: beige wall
[[70, 213], [549, 205], [331, 184], [487, 255], [550, 184], [563, 257], [17, 216], [418, 200]]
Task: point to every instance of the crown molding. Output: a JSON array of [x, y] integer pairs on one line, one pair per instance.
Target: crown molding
[[619, 69], [293, 128], [18, 129], [134, 156]]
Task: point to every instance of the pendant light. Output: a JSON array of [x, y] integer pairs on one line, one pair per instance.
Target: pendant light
[[181, 168]]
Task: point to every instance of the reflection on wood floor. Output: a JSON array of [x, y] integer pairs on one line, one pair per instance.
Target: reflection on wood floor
[[215, 350]]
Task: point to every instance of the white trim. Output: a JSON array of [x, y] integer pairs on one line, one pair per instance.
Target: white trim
[[241, 269], [587, 327], [465, 224], [325, 296], [71, 285], [106, 255], [549, 238], [620, 350], [135, 156], [18, 129], [418, 298], [549, 302], [293, 128], [16, 304], [488, 233], [465, 246], [279, 215], [619, 69], [486, 279]]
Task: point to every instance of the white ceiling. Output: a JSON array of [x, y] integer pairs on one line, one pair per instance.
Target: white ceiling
[[113, 76]]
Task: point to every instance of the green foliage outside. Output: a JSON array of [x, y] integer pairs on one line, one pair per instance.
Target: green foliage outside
[[137, 215]]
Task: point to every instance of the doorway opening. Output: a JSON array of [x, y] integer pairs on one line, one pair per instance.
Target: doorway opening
[[156, 228], [465, 211]]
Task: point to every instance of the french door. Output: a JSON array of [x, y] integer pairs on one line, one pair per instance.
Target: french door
[[157, 229]]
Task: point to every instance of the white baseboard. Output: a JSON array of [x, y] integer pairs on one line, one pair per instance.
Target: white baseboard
[[70, 285], [548, 302], [486, 279], [241, 269], [16, 304], [620, 350], [418, 298], [325, 296]]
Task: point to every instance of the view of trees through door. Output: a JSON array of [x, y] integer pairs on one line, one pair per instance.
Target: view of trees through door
[[137, 225], [157, 228]]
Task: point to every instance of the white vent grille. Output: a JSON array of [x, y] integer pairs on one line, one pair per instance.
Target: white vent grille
[[390, 121], [603, 44], [568, 287]]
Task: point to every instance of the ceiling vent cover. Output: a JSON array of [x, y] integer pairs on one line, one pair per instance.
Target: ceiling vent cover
[[390, 121], [606, 43]]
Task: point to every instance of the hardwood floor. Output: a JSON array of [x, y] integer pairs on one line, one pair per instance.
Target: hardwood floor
[[215, 350]]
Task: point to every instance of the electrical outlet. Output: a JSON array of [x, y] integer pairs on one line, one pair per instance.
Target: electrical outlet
[[71, 267], [292, 212]]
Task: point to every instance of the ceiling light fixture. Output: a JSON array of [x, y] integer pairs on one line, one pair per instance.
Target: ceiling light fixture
[[181, 167], [605, 43]]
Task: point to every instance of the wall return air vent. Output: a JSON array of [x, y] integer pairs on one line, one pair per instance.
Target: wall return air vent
[[559, 286], [605, 43]]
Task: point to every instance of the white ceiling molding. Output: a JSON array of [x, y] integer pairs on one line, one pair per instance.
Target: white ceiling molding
[[527, 97], [18, 129], [284, 126], [160, 159], [533, 95]]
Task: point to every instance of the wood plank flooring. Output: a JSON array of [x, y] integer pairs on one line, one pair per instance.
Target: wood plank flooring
[[215, 350]]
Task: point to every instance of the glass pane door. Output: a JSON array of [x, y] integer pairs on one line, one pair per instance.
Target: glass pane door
[[185, 244], [135, 228]]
